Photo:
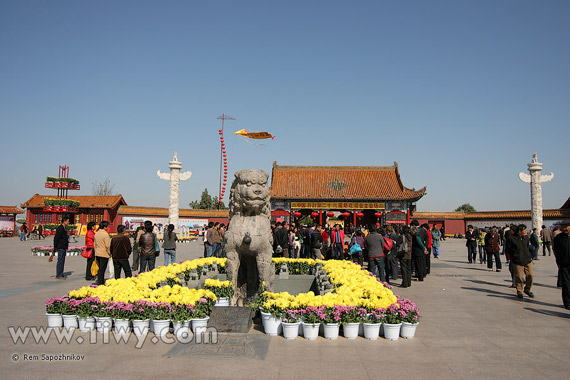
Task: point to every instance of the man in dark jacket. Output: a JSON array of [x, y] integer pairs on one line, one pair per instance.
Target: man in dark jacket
[[522, 261], [306, 246], [561, 248], [376, 256], [471, 235], [120, 252], [281, 239], [316, 242], [60, 243], [492, 249], [147, 248]]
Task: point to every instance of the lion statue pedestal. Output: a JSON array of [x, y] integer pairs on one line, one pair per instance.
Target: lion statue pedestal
[[249, 242]]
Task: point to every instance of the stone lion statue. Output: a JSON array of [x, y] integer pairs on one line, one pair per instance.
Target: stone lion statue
[[249, 240]]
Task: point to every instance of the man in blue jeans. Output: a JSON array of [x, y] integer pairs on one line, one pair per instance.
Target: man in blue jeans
[[60, 243], [375, 245]]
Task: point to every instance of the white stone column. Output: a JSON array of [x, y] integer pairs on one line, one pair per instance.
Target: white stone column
[[174, 177], [535, 179]]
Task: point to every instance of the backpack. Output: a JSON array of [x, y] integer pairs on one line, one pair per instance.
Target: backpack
[[388, 244]]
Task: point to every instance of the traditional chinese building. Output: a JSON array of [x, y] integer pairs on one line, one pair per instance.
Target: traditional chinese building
[[91, 208], [360, 195], [8, 220]]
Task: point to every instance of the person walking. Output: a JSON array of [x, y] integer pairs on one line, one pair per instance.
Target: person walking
[[481, 243], [136, 249], [546, 237], [316, 242], [102, 244], [209, 240], [337, 242], [23, 231], [90, 247], [435, 238], [147, 248], [120, 251], [357, 257], [471, 244], [522, 261], [404, 252], [492, 249], [169, 245], [41, 231], [60, 243], [561, 245], [534, 244], [419, 250], [375, 245]]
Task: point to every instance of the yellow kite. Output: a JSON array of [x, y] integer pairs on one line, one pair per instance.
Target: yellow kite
[[254, 134]]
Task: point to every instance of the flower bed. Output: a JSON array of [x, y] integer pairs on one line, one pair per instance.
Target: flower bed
[[46, 251], [357, 296]]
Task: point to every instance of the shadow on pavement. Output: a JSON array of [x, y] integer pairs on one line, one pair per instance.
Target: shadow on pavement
[[485, 283], [494, 293], [549, 312]]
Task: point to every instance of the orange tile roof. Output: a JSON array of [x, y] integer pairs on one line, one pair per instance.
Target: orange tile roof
[[10, 210], [85, 201], [163, 211], [566, 204], [516, 214], [340, 183]]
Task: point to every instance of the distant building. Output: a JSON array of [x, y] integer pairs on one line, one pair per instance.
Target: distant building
[[8, 220], [133, 216], [360, 195], [91, 209]]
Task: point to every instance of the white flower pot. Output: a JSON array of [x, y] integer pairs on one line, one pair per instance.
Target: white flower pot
[[103, 324], [330, 330], [54, 320], [180, 325], [310, 331], [223, 301], [392, 331], [408, 330], [70, 322], [201, 323], [86, 324], [161, 326], [122, 326], [141, 326], [271, 325], [350, 330], [290, 330], [371, 330]]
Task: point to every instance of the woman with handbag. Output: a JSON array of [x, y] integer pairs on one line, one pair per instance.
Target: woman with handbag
[[356, 244], [89, 251]]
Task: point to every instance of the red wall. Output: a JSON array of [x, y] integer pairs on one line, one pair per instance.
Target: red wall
[[452, 226]]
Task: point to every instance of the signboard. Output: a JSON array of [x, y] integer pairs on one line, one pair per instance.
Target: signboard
[[392, 217], [132, 222], [339, 205], [7, 222], [283, 205], [391, 206]]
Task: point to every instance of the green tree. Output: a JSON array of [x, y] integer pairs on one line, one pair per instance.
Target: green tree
[[466, 207], [206, 202]]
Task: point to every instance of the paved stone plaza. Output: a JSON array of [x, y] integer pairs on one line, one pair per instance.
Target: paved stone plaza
[[473, 327]]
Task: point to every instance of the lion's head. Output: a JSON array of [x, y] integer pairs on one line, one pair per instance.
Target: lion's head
[[249, 193]]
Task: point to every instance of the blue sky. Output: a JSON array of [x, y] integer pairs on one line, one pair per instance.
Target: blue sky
[[459, 93]]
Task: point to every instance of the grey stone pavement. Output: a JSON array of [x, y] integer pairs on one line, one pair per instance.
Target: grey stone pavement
[[473, 327]]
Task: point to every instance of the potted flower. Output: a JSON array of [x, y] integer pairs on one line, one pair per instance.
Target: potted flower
[[54, 308], [161, 315], [69, 313], [103, 316], [351, 317], [312, 319], [181, 317], [271, 312], [392, 321], [140, 317], [121, 314], [332, 322], [290, 322], [411, 320], [85, 312], [224, 290], [372, 323], [201, 313]]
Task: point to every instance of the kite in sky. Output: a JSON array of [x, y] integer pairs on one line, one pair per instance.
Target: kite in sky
[[254, 134]]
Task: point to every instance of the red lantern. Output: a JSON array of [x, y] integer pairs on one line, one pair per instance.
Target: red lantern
[[224, 155], [345, 214], [330, 214], [314, 214], [297, 214], [359, 214], [219, 130], [378, 214], [377, 224]]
